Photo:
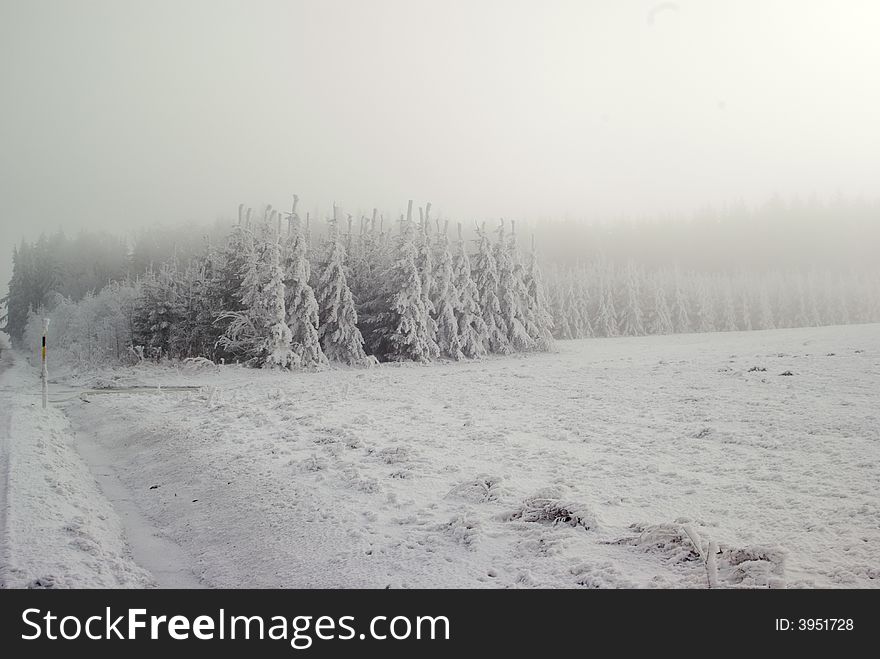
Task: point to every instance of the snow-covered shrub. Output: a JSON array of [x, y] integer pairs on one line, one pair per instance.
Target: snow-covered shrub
[[96, 330], [545, 507], [667, 539], [754, 567]]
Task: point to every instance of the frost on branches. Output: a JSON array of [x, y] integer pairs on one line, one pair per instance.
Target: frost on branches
[[408, 336], [339, 334], [299, 298], [512, 296], [486, 278], [259, 295], [447, 300], [472, 331]]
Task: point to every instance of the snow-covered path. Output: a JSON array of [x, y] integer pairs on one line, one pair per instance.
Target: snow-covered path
[[56, 529], [587, 467], [166, 562]]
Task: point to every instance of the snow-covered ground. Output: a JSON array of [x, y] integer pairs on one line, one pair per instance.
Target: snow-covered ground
[[635, 462]]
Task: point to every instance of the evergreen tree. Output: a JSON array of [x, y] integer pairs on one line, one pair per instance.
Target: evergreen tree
[[745, 314], [728, 315], [659, 319], [571, 326], [705, 321], [158, 310], [425, 266], [472, 332], [631, 321], [680, 307], [511, 292], [278, 346], [606, 319], [339, 334], [541, 326], [247, 333], [486, 279], [408, 336], [299, 297], [581, 292], [765, 310], [447, 300]]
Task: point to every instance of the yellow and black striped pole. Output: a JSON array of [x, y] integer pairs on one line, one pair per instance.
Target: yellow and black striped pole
[[44, 371]]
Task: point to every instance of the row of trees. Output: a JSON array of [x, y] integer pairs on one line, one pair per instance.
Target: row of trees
[[603, 299], [270, 293], [785, 236], [266, 298]]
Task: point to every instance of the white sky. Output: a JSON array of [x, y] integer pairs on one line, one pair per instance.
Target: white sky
[[119, 114]]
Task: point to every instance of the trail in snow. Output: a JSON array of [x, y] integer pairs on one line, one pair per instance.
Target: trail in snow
[[56, 529], [168, 564]]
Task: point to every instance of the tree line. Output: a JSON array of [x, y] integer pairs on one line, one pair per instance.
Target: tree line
[[263, 290], [604, 299], [265, 297]]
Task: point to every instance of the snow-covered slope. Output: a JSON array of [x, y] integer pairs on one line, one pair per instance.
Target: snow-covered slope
[[646, 462]]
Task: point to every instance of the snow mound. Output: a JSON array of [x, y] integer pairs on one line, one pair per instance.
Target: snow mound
[[196, 364], [482, 489], [667, 539], [600, 575], [546, 507], [756, 566]]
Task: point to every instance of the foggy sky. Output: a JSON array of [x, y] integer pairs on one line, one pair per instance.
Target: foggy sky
[[116, 114]]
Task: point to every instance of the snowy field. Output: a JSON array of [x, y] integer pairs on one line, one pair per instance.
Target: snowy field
[[676, 461]]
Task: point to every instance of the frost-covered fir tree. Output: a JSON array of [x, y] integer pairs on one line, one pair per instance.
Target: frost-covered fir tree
[[765, 310], [408, 335], [425, 265], [299, 300], [472, 332], [745, 310], [512, 295], [555, 301], [278, 352], [486, 278], [191, 332], [366, 263], [659, 319], [606, 318], [258, 333], [541, 327], [158, 310], [571, 325], [681, 315], [728, 310], [338, 332], [631, 317], [814, 318], [582, 303], [447, 300], [801, 317], [704, 308], [425, 254], [840, 303]]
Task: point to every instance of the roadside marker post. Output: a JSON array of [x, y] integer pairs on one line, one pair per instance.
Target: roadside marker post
[[44, 371]]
